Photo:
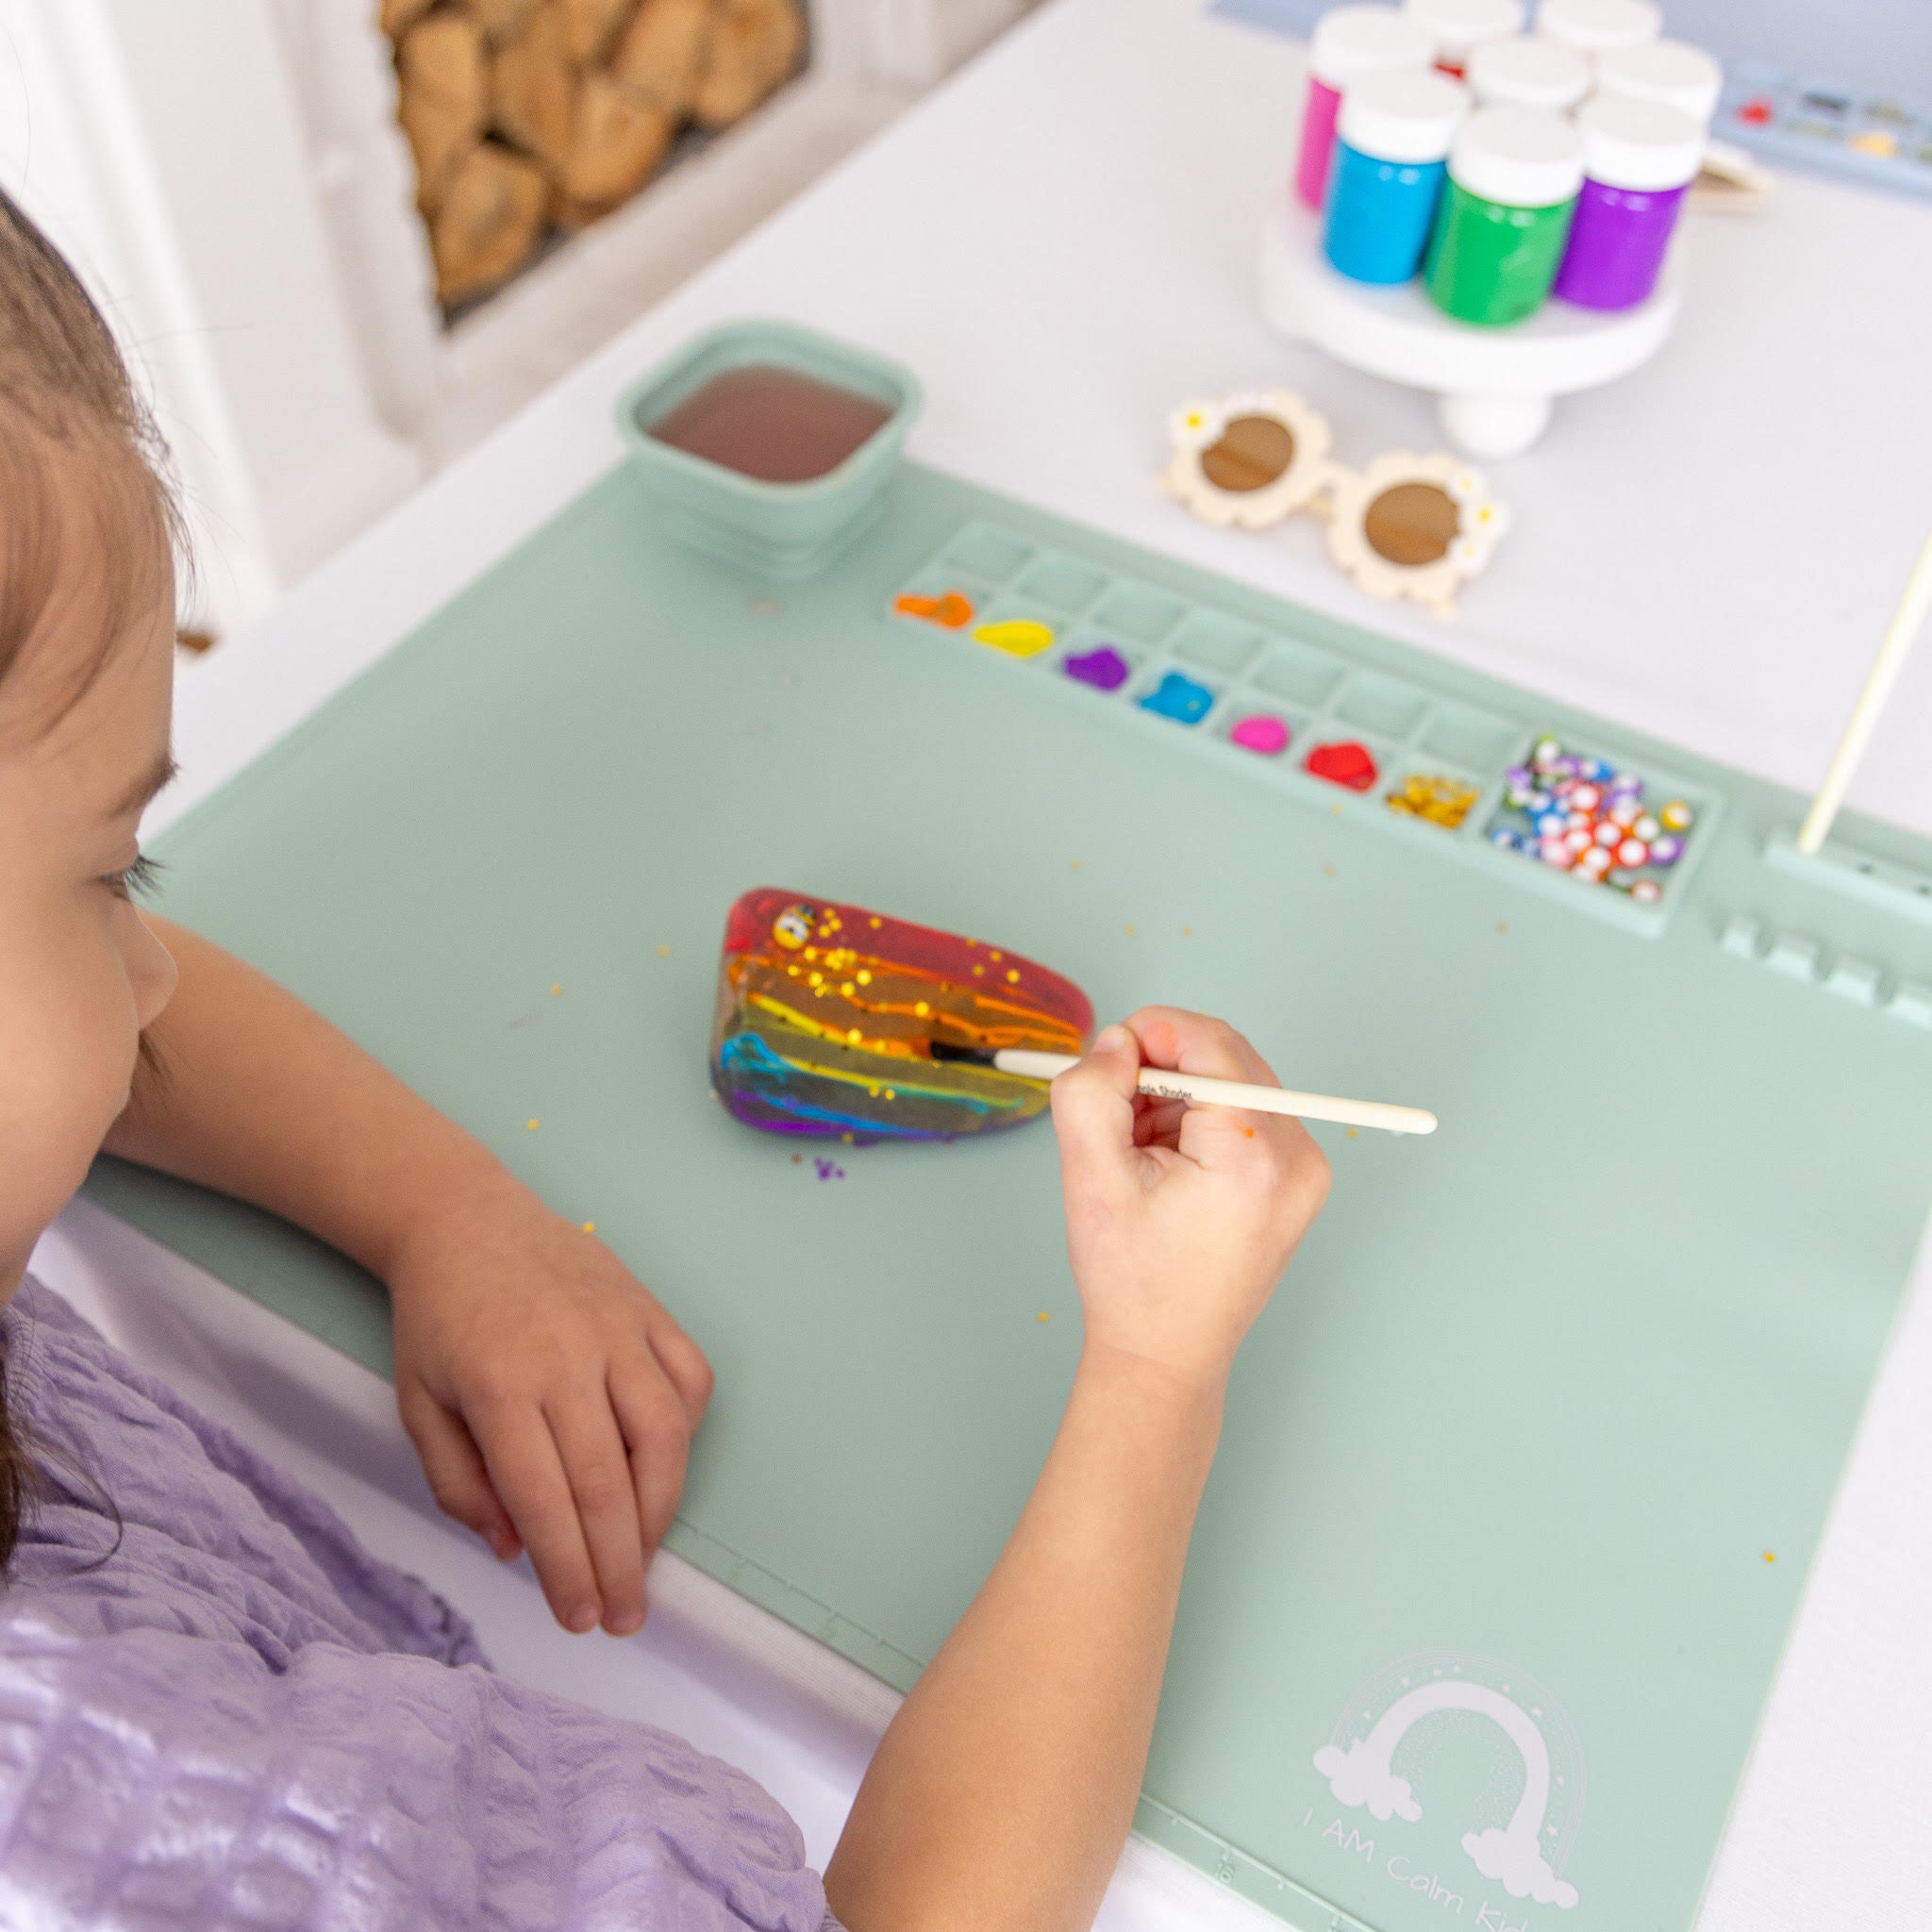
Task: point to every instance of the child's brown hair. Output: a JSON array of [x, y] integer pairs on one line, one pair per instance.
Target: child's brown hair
[[67, 405]]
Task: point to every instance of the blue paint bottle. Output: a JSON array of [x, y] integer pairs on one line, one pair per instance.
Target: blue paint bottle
[[1392, 138]]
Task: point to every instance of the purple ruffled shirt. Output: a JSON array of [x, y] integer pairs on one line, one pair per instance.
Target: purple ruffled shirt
[[242, 1719]]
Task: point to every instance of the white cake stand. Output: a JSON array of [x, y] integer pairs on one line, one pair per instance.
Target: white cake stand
[[1494, 385]]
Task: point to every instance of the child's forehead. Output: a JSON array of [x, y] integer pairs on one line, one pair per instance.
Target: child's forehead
[[87, 595]]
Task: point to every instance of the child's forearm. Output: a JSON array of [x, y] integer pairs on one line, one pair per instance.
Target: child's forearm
[[1003, 1790], [263, 1099]]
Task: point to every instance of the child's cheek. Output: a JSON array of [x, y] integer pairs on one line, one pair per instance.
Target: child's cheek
[[67, 1054]]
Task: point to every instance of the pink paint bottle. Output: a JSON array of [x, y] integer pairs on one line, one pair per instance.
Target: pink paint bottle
[[1349, 42]]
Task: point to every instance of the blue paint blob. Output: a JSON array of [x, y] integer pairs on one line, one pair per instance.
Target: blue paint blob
[[1104, 669], [1179, 698]]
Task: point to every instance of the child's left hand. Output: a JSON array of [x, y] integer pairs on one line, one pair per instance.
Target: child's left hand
[[550, 1397]]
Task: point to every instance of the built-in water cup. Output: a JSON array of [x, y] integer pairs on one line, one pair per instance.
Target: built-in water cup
[[767, 445]]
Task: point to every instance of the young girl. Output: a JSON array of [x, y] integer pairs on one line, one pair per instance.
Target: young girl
[[216, 1707]]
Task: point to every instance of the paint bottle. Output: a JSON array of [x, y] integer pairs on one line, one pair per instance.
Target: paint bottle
[[1458, 27], [1505, 214], [1390, 145], [1674, 74], [1527, 72], [1638, 157], [1594, 26], [1349, 42]]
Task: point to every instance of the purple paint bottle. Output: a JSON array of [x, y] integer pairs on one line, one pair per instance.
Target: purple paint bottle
[[1637, 159], [1348, 42]]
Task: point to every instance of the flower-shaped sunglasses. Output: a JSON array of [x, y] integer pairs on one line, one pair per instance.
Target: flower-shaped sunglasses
[[1408, 526]]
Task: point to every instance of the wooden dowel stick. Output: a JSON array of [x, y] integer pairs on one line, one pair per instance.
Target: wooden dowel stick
[[1886, 667]]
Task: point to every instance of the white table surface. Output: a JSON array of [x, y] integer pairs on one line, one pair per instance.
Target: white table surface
[[1062, 243]]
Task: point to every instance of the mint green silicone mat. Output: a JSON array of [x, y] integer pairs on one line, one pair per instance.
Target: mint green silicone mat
[[1525, 1465]]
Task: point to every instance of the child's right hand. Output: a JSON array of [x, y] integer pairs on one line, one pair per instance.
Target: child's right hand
[[1179, 1219]]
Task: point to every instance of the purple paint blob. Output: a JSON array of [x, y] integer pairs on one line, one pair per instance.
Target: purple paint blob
[[1266, 735], [1104, 668], [828, 1170]]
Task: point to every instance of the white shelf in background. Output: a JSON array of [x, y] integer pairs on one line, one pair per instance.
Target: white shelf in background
[[1495, 385]]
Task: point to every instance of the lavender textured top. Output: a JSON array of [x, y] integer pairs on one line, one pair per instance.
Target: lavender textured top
[[241, 1718]]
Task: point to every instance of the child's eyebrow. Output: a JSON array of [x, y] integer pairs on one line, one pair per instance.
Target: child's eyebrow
[[159, 773]]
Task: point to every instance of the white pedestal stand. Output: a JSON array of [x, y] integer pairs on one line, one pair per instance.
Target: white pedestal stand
[[1495, 385]]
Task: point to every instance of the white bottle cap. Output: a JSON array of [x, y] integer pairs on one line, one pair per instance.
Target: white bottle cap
[[1641, 145], [1459, 26], [1593, 26], [1669, 71], [1409, 117], [1528, 73], [1350, 42], [1520, 157]]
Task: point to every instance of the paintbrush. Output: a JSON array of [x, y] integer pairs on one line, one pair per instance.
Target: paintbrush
[[1199, 1090]]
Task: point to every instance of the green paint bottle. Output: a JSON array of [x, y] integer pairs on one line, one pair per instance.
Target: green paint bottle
[[1505, 215]]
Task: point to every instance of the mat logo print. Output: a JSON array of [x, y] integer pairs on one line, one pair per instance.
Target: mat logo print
[[1523, 1856]]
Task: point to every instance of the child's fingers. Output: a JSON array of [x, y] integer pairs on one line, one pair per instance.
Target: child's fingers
[[1094, 1103], [684, 1364], [1229, 1140], [526, 1472], [1157, 1121], [655, 1419], [597, 1466], [1197, 1043], [454, 1465]]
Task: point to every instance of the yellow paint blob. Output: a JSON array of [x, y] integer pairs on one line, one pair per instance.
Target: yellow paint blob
[[1018, 637], [531, 1124], [555, 990], [590, 1227]]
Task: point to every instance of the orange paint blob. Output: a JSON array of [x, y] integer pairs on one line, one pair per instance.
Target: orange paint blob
[[952, 611]]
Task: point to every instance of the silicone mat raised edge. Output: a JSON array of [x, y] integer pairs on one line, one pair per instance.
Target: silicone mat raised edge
[[1548, 1387]]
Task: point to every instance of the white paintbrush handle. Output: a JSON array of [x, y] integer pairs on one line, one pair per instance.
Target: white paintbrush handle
[[1207, 1092]]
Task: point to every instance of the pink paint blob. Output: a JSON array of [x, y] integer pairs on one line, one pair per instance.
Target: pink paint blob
[[1268, 736]]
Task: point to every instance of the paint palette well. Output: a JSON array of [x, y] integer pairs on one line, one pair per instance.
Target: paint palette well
[[1293, 714]]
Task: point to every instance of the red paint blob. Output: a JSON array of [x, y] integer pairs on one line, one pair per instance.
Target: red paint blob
[[1347, 764]]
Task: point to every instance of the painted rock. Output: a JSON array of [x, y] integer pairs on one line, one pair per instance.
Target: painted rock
[[827, 1016]]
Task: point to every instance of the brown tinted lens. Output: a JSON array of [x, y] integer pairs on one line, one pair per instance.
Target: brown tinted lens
[[1254, 452], [1412, 524]]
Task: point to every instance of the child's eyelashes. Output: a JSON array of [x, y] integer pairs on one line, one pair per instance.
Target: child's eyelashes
[[136, 879]]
